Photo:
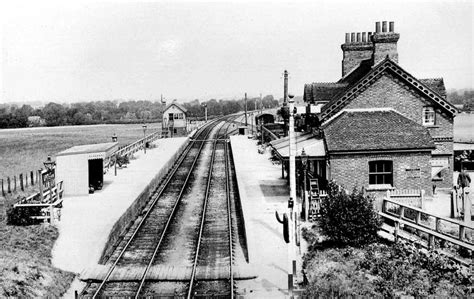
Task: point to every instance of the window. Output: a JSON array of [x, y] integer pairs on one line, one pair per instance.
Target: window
[[178, 116], [428, 116], [380, 172]]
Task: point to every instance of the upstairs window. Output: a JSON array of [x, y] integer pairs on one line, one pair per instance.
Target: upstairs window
[[428, 116], [380, 173]]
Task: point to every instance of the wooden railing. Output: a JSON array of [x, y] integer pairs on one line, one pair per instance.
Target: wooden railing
[[49, 200], [411, 197], [396, 212], [137, 145]]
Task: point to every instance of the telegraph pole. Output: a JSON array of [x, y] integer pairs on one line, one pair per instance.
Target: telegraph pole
[[292, 201], [285, 99], [246, 109]]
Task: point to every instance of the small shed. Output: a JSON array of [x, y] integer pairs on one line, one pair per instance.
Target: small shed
[[174, 120], [82, 166]]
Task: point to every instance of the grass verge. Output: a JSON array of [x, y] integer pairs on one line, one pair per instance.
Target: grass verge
[[25, 263]]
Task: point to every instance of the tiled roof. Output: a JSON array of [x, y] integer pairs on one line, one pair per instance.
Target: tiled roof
[[372, 130], [322, 91], [436, 84], [364, 67]]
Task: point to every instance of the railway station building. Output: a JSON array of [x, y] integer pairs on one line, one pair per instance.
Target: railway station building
[[382, 128], [174, 120]]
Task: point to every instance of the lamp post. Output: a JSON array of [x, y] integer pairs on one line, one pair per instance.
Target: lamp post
[[144, 136], [292, 200], [49, 164], [304, 163]]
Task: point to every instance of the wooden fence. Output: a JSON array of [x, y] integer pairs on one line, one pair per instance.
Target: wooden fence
[[411, 197], [404, 215], [48, 201], [137, 145], [21, 182]]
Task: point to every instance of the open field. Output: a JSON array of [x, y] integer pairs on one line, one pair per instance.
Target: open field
[[23, 150]]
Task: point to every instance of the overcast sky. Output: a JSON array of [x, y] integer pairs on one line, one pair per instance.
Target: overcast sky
[[72, 51]]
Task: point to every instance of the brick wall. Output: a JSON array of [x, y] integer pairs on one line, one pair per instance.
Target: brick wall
[[354, 54], [390, 92], [353, 170]]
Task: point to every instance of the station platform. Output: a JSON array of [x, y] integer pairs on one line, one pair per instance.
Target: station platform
[[262, 192], [86, 221]]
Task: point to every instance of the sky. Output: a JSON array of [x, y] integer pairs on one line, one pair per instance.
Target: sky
[[70, 51]]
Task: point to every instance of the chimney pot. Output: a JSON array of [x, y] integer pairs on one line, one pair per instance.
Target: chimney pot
[[353, 37], [391, 26], [384, 26], [364, 39], [348, 38], [377, 27], [358, 37]]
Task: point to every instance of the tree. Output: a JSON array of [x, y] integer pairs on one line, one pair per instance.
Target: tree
[[55, 114], [349, 219]]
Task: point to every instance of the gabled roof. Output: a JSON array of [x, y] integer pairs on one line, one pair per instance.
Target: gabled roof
[[428, 87], [375, 130], [177, 105]]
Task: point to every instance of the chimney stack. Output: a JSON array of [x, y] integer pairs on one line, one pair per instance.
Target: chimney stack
[[385, 42], [377, 27], [356, 49]]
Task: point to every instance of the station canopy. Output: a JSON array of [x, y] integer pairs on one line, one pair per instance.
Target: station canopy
[[313, 146]]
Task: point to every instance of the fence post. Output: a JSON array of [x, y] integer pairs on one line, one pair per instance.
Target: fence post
[[32, 178], [9, 187], [431, 243], [395, 231], [21, 182], [40, 184], [3, 190], [422, 199]]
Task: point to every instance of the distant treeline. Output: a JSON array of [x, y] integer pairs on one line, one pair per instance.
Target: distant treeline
[[100, 112], [465, 98]]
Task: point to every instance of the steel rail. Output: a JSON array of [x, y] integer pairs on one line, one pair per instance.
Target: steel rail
[[155, 200], [163, 233], [201, 229], [203, 217], [229, 219]]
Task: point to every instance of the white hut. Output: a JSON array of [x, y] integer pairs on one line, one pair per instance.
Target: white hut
[[82, 166]]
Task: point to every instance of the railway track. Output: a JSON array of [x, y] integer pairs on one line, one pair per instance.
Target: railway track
[[187, 230]]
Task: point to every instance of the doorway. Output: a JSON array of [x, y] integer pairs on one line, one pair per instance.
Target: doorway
[[96, 174]]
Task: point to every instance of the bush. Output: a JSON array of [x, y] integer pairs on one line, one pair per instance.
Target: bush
[[348, 219], [22, 216]]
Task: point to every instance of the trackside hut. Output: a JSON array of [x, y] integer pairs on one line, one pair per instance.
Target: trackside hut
[[82, 166]]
